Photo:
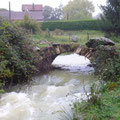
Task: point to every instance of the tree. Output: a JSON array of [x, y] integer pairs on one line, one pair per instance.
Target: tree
[[52, 14], [57, 13], [47, 12], [78, 9], [110, 19], [29, 24]]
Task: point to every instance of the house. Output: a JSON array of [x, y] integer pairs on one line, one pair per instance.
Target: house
[[33, 11], [32, 7]]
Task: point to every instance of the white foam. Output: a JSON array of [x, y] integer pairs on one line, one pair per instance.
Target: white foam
[[15, 106], [73, 62]]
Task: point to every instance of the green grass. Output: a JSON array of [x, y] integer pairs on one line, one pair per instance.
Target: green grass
[[65, 38], [107, 107]]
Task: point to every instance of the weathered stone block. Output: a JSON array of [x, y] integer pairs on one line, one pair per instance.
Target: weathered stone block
[[74, 38], [95, 42]]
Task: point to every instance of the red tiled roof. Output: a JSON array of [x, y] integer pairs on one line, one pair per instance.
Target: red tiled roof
[[32, 7]]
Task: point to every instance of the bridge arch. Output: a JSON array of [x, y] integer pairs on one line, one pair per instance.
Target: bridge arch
[[48, 54]]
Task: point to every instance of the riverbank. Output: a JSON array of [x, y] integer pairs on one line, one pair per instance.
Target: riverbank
[[103, 101]]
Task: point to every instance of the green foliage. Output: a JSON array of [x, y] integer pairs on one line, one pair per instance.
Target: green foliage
[[103, 102], [52, 14], [71, 25], [47, 11], [1, 85], [111, 70], [105, 108], [18, 60], [29, 24], [110, 20], [115, 38], [93, 97], [107, 63], [112, 86], [47, 33], [78, 9]]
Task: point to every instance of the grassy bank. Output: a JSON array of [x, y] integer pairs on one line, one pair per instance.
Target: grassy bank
[[103, 102], [103, 105], [64, 37]]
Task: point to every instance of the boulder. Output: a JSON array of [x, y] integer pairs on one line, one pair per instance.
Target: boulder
[[95, 42], [106, 48], [36, 48], [74, 38]]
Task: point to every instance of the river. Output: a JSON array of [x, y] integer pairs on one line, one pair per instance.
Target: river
[[51, 95]]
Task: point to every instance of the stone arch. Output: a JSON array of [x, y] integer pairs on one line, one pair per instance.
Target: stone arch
[[48, 54]]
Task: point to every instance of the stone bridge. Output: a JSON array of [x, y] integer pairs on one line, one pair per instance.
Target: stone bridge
[[48, 54], [97, 50]]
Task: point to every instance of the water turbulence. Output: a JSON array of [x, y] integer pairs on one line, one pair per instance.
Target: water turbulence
[[73, 62], [50, 96]]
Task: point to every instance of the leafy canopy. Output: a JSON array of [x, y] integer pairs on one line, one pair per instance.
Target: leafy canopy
[[52, 14], [78, 9], [110, 19]]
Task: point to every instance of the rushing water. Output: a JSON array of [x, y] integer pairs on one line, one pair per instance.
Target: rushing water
[[50, 96]]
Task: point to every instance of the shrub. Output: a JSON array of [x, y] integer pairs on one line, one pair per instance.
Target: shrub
[[29, 24], [107, 63], [71, 25], [111, 70], [18, 60]]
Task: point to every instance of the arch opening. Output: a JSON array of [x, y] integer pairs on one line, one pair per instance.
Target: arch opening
[[73, 62]]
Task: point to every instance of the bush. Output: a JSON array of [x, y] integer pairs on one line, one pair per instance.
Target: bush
[[18, 60], [108, 63], [71, 25], [29, 24]]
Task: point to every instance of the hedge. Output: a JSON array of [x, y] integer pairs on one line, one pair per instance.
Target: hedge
[[71, 25]]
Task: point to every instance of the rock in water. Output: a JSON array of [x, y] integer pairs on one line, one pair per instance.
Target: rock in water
[[95, 42], [74, 38]]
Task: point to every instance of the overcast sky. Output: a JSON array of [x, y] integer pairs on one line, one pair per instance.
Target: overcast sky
[[16, 4]]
